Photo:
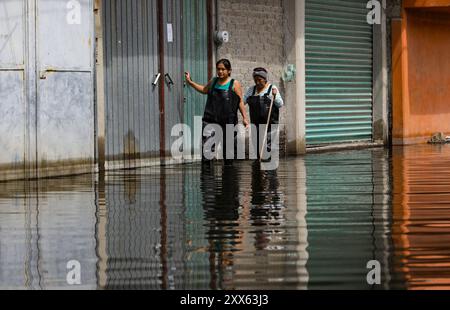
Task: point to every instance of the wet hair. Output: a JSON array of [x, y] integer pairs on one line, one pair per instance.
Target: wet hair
[[225, 62]]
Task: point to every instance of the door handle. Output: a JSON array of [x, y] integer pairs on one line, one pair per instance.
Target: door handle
[[156, 80], [169, 79], [43, 75], [45, 72]]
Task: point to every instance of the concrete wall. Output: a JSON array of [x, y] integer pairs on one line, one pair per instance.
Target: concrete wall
[[421, 71], [393, 12], [294, 41]]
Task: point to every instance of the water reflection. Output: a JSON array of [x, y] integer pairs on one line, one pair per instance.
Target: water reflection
[[421, 216], [313, 224], [266, 206], [43, 226], [220, 193], [348, 218]]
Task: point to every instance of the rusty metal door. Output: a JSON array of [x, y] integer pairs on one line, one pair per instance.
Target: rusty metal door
[[12, 84], [132, 77], [65, 100]]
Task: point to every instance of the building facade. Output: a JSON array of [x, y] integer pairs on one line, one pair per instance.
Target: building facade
[[330, 62], [106, 89]]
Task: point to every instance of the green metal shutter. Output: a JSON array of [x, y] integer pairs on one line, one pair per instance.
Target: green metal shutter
[[195, 25], [339, 72]]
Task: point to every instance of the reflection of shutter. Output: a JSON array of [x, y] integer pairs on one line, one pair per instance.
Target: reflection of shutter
[[338, 71], [341, 220]]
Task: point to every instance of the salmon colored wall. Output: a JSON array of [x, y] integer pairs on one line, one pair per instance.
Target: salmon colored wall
[[429, 73], [426, 3], [421, 72]]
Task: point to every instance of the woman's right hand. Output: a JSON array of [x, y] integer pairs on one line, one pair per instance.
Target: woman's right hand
[[187, 75], [246, 123]]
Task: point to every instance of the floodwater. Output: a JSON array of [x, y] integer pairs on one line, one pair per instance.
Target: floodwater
[[313, 224]]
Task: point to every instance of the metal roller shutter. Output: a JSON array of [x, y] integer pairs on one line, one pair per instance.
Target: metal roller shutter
[[195, 49], [339, 72]]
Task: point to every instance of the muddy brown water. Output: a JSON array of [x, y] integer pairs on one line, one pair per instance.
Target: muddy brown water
[[315, 223]]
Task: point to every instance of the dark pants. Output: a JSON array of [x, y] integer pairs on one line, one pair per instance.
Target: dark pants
[[210, 133], [260, 131]]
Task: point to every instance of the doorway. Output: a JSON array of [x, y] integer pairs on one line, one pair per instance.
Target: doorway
[[46, 86], [148, 45]]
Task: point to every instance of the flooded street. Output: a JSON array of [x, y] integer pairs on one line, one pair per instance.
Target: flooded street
[[313, 224]]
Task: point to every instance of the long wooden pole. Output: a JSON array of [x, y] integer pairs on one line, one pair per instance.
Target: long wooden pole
[[267, 128]]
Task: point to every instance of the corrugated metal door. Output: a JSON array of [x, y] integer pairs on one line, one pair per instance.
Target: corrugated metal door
[[12, 85], [65, 113], [339, 73], [195, 60], [131, 66], [173, 69], [145, 39]]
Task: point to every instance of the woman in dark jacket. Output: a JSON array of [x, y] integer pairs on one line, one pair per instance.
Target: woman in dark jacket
[[225, 98], [259, 98]]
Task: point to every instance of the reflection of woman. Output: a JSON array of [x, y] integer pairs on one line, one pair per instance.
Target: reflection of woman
[[221, 207], [266, 204], [259, 99], [224, 100]]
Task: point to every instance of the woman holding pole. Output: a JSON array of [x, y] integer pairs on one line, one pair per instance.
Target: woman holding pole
[[265, 102]]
